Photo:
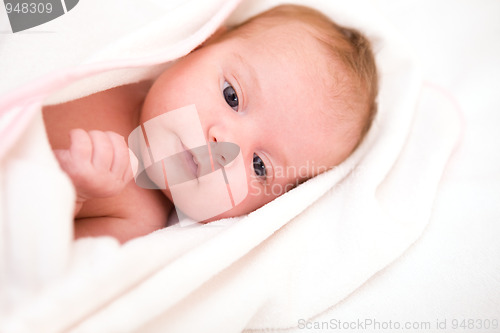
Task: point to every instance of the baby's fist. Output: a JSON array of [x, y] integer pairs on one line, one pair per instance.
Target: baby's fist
[[97, 162]]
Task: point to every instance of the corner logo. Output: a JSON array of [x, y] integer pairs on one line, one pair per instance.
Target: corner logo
[[26, 14]]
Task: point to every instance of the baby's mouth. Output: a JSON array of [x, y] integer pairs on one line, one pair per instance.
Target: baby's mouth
[[191, 161]]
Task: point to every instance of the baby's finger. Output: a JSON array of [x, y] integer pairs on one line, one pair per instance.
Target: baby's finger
[[120, 154], [81, 146], [102, 153]]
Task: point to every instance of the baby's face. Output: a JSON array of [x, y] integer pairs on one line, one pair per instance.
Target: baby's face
[[267, 95]]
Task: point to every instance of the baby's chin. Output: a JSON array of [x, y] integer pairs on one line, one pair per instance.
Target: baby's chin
[[193, 211]]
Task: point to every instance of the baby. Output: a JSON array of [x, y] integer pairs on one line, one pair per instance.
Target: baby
[[291, 89]]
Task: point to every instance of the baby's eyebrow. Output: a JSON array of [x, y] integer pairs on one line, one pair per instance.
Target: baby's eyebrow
[[253, 79]]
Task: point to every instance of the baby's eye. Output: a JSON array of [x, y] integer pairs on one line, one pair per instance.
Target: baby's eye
[[230, 96], [259, 167]]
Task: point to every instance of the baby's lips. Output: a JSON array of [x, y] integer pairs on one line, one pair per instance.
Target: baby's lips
[[215, 155], [218, 188], [208, 158]]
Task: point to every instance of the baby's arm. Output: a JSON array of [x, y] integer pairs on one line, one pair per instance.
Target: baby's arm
[[98, 164]]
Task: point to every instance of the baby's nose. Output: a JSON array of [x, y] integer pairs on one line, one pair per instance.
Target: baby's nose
[[223, 131], [222, 146], [213, 136]]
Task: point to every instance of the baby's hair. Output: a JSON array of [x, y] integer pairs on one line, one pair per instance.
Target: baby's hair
[[348, 45]]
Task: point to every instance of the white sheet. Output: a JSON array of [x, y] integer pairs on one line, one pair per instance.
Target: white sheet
[[453, 271]]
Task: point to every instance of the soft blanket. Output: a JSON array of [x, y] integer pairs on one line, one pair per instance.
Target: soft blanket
[[293, 258]]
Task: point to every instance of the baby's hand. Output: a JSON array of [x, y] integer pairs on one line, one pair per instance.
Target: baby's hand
[[97, 162]]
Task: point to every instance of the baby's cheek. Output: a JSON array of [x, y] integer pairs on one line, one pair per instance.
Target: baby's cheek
[[258, 195]]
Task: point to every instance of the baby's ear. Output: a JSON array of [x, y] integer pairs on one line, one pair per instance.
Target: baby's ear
[[215, 36]]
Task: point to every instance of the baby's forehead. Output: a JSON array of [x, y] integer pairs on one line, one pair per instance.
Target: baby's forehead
[[287, 30], [290, 43]]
